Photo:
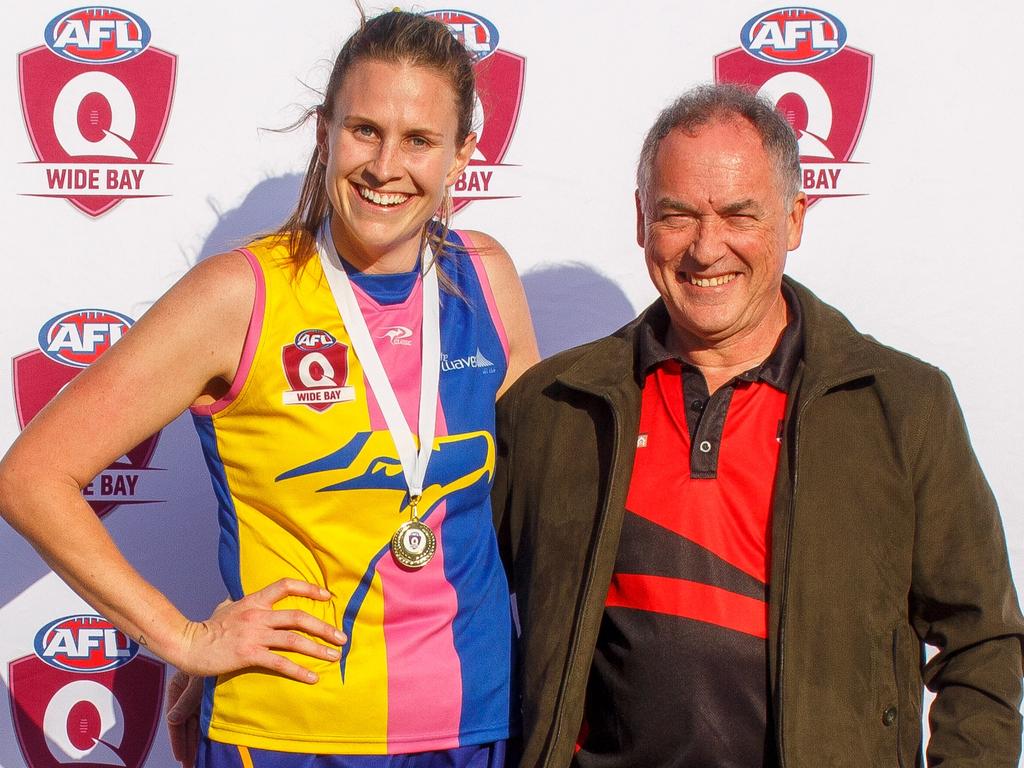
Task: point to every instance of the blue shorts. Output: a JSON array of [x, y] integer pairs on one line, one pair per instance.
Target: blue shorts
[[213, 754]]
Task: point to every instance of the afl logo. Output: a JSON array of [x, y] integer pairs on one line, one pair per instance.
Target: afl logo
[[475, 32], [313, 339], [77, 338], [84, 643], [97, 35], [793, 36]]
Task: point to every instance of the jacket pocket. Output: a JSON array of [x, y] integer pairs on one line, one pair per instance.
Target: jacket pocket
[[906, 675], [893, 715]]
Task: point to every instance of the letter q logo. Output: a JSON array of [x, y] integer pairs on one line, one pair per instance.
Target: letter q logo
[[68, 106], [84, 722]]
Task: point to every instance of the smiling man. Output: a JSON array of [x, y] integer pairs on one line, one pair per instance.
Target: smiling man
[[733, 526]]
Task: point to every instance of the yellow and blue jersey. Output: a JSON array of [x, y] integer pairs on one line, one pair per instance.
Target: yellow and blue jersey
[[309, 486]]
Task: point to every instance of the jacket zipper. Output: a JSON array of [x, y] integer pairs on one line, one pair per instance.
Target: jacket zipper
[[575, 647], [785, 572]]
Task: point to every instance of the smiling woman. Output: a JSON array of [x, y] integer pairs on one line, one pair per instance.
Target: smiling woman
[[368, 622], [391, 149]]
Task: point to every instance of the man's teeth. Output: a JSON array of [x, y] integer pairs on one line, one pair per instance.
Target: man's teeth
[[383, 198], [711, 282]]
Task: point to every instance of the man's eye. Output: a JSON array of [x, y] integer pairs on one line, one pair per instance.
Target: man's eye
[[678, 219], [419, 142], [363, 130]]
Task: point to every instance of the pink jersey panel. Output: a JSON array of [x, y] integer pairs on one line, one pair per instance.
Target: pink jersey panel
[[424, 672], [485, 287]]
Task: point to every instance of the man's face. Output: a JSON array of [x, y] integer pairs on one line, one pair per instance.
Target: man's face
[[715, 228]]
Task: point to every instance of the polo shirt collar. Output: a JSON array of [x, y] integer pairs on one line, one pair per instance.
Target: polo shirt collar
[[777, 369]]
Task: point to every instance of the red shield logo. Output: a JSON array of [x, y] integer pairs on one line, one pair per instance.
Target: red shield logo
[[500, 76], [316, 374], [825, 101], [37, 380], [95, 128], [96, 718], [500, 80]]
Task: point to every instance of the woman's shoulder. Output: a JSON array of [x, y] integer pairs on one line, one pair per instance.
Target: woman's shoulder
[[490, 255]]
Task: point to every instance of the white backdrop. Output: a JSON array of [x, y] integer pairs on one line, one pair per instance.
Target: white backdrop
[[927, 260]]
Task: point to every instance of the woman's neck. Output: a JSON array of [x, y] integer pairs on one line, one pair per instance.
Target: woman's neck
[[395, 260]]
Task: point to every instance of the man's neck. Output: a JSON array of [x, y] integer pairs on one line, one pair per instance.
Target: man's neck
[[720, 362]]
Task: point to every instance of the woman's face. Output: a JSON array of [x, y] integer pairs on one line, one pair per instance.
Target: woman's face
[[390, 151]]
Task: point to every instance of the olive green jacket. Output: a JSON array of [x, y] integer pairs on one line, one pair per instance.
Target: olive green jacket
[[885, 536]]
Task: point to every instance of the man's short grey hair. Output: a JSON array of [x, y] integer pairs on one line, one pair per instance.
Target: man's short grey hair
[[708, 103]]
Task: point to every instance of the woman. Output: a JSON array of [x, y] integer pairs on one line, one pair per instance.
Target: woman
[[368, 617]]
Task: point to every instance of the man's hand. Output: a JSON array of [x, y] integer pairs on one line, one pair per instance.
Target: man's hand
[[184, 695]]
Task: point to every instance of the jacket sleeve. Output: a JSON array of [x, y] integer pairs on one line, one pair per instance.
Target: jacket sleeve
[[962, 597], [500, 491]]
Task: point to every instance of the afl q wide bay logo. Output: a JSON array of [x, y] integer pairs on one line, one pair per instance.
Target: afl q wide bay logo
[[316, 368], [85, 696], [67, 345], [799, 59], [500, 77], [96, 98]]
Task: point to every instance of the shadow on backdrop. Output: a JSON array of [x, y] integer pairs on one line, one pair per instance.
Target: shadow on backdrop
[[572, 303], [263, 210]]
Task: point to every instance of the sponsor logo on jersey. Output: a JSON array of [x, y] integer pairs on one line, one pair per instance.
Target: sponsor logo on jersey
[[500, 78], [799, 58], [67, 345], [79, 337], [84, 643], [477, 361], [85, 697], [399, 335], [96, 98], [316, 368]]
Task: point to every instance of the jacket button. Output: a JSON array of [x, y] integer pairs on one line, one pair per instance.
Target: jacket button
[[889, 716], [705, 446]]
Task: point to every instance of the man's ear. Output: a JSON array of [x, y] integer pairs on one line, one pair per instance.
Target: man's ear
[[795, 221]]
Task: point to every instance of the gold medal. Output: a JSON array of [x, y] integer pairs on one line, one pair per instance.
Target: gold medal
[[413, 544]]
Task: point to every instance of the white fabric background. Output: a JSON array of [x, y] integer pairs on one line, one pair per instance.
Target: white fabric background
[[929, 261]]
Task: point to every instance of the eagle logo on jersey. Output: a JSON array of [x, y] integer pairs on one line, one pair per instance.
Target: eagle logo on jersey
[[368, 462]]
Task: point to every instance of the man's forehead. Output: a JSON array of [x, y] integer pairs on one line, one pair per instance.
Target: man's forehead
[[728, 139], [725, 157]]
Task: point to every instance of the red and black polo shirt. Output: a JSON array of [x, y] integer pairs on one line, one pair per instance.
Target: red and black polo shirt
[[680, 674]]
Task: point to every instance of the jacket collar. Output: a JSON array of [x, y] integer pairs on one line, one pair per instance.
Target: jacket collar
[[834, 352]]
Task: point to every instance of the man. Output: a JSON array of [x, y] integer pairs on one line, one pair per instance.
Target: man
[[732, 525]]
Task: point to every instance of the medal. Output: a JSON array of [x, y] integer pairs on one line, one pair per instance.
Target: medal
[[414, 543]]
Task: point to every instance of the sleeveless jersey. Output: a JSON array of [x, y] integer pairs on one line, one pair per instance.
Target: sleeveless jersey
[[309, 486]]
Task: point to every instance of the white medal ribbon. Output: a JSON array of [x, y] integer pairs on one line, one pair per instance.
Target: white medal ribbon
[[414, 464]]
